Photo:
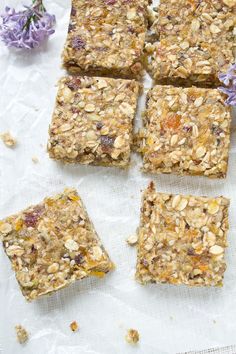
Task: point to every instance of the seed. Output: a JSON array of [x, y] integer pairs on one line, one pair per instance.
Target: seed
[[195, 25], [216, 250], [201, 151], [214, 29], [5, 228], [71, 245], [182, 204], [53, 268], [213, 207], [176, 201], [89, 107], [198, 101], [119, 141], [173, 140]]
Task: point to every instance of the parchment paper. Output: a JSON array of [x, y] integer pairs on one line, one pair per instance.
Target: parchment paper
[[169, 319]]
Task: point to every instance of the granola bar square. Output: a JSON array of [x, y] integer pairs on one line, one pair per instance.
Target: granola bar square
[[195, 41], [93, 121], [53, 244], [186, 131], [106, 37], [182, 239]]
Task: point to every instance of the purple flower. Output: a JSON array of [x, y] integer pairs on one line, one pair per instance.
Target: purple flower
[[229, 80], [28, 28]]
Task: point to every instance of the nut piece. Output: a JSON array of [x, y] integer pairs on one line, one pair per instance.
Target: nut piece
[[74, 326], [8, 139], [132, 240], [132, 336], [21, 334]]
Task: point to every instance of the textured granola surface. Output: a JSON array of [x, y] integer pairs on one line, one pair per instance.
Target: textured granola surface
[[106, 37], [52, 244], [186, 131], [196, 41], [182, 239], [92, 121]]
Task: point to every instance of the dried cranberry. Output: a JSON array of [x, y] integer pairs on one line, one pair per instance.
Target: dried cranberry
[[78, 43], [73, 11], [144, 262], [216, 130], [190, 252], [131, 29], [79, 259], [107, 142], [74, 84], [187, 129], [99, 125], [32, 218], [71, 27], [187, 226], [75, 110]]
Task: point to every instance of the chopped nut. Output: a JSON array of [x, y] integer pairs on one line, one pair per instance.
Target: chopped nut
[[8, 139], [132, 336], [21, 334], [132, 240], [74, 326]]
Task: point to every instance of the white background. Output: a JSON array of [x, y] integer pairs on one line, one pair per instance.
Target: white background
[[169, 319]]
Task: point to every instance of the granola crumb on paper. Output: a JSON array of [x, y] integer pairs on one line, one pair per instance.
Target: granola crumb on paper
[[35, 159], [74, 326], [21, 334], [8, 139], [132, 336], [132, 240]]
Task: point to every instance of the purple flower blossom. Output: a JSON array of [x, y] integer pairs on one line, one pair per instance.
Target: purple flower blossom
[[229, 79], [28, 28]]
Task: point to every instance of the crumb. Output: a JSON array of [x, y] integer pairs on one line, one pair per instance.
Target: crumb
[[214, 321], [8, 139], [35, 159], [21, 334], [74, 326], [171, 318], [132, 240], [132, 336]]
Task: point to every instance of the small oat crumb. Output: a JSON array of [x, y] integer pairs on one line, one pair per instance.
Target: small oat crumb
[[35, 159], [132, 336], [74, 326], [132, 240], [214, 321], [21, 334], [8, 139]]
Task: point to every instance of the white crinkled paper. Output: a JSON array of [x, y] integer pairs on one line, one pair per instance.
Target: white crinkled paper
[[169, 319]]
